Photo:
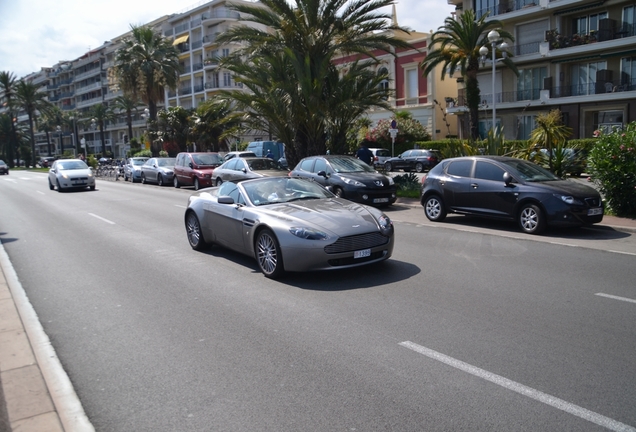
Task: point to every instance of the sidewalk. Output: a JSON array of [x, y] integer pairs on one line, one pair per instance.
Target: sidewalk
[[36, 395]]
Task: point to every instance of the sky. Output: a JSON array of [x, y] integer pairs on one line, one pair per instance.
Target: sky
[[40, 33]]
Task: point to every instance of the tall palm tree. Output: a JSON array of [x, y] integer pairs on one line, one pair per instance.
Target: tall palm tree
[[49, 123], [102, 113], [213, 123], [8, 84], [456, 45], [173, 127], [33, 102], [127, 105], [145, 65], [302, 40]]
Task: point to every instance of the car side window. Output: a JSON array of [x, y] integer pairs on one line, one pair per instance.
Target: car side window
[[321, 165], [460, 168], [307, 165], [488, 171], [232, 164]]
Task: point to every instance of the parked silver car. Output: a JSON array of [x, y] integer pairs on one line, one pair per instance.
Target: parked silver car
[[243, 168], [71, 174], [132, 169], [158, 170], [288, 224]]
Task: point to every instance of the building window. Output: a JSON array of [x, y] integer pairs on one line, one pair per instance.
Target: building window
[[608, 121], [227, 79], [412, 89], [225, 52], [583, 77], [530, 83], [628, 73], [384, 84], [629, 18], [525, 126], [589, 23]]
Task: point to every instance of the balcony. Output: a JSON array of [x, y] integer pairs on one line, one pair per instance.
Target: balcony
[[185, 91], [181, 28], [210, 63], [199, 88], [197, 66], [595, 88], [220, 15]]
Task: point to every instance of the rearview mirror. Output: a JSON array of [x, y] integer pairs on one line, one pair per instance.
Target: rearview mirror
[[225, 200], [507, 178], [323, 174]]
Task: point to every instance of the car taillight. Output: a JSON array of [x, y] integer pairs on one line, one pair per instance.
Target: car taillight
[[423, 178]]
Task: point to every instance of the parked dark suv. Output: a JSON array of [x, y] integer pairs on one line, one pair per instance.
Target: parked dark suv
[[413, 160], [507, 188]]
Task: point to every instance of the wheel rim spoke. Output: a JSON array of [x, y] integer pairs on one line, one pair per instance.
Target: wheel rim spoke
[[267, 254]]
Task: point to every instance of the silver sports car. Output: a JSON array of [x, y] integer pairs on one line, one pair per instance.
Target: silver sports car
[[288, 224]]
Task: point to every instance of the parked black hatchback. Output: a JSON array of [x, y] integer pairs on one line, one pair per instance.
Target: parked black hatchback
[[508, 188], [413, 160], [348, 178]]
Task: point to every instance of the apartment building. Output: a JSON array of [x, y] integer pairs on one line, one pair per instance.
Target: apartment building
[[578, 56]]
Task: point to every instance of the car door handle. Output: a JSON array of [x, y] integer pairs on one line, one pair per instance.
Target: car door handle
[[474, 185]]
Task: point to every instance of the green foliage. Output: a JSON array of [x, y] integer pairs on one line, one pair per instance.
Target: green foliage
[[163, 153], [551, 134], [410, 132], [612, 163], [143, 153], [407, 182], [494, 143], [92, 162]]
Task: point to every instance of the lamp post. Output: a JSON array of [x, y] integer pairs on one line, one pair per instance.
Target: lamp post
[[493, 38], [59, 131], [93, 127]]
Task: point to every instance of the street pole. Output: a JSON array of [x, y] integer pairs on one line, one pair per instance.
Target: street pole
[[494, 37], [393, 131]]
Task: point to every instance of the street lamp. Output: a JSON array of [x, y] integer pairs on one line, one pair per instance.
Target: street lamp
[[59, 131], [93, 127], [493, 38]]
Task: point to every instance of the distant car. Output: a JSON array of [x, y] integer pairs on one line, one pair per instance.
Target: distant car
[[509, 189], [243, 168], [70, 174], [288, 224], [413, 160], [132, 169], [47, 161], [195, 169], [234, 154], [4, 168], [349, 178], [158, 170], [380, 155]]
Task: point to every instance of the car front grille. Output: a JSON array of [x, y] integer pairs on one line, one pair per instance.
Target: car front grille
[[593, 202], [357, 242]]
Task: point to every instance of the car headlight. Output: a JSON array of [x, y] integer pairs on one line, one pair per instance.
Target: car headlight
[[352, 182], [391, 182], [568, 199], [64, 176], [386, 226], [90, 174], [308, 233]]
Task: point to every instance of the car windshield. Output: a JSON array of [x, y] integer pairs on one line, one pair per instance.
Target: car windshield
[[276, 190], [207, 159], [139, 161], [531, 172], [166, 162], [266, 164], [72, 165], [382, 153], [349, 165]]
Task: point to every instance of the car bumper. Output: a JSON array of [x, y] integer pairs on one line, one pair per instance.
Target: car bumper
[[316, 258], [80, 183], [574, 215], [372, 197]]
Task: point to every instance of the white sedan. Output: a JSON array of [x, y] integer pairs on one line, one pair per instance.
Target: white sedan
[[71, 174]]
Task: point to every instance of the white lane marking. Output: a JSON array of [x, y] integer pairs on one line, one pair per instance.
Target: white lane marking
[[40, 192], [101, 218], [537, 395], [180, 206], [616, 297], [10, 180]]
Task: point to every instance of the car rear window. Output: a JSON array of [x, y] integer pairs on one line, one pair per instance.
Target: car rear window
[[460, 168]]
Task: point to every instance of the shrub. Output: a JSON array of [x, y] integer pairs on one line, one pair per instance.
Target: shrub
[[144, 153], [612, 164]]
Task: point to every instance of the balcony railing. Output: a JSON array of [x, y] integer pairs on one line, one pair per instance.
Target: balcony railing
[[220, 14], [506, 6], [526, 49], [599, 87], [199, 88]]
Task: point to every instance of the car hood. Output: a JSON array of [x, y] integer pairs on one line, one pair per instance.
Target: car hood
[[338, 216], [368, 178], [269, 173], [568, 187]]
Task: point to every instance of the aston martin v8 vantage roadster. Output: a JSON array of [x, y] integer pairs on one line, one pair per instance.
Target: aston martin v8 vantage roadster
[[288, 224]]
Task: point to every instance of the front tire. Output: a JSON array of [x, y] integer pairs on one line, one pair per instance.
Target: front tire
[[388, 166], [268, 254], [159, 180], [59, 187], [531, 219], [175, 182], [419, 167], [196, 184], [51, 185], [194, 233], [143, 178], [338, 192], [219, 182], [434, 209]]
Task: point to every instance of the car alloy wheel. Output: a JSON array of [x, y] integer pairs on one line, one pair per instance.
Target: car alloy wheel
[[196, 184], [194, 233], [434, 209], [176, 182], [531, 219], [338, 192], [268, 255], [219, 182], [419, 167], [159, 180], [388, 166]]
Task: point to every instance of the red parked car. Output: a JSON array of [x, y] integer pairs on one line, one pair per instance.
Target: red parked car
[[195, 169]]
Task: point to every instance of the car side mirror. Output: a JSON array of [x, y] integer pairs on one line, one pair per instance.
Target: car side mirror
[[323, 174], [507, 178], [243, 170], [225, 200], [190, 165]]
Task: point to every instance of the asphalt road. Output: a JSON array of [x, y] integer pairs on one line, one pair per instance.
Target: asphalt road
[[469, 326]]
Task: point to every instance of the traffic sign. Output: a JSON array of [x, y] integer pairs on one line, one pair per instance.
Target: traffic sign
[[393, 124]]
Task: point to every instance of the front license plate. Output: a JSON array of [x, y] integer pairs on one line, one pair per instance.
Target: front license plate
[[362, 253], [595, 211], [380, 200]]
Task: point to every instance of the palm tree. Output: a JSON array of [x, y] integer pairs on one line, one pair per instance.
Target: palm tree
[[172, 128], [146, 64], [551, 134], [456, 45], [127, 105], [102, 113], [213, 123], [8, 84], [302, 41], [34, 102], [49, 123]]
